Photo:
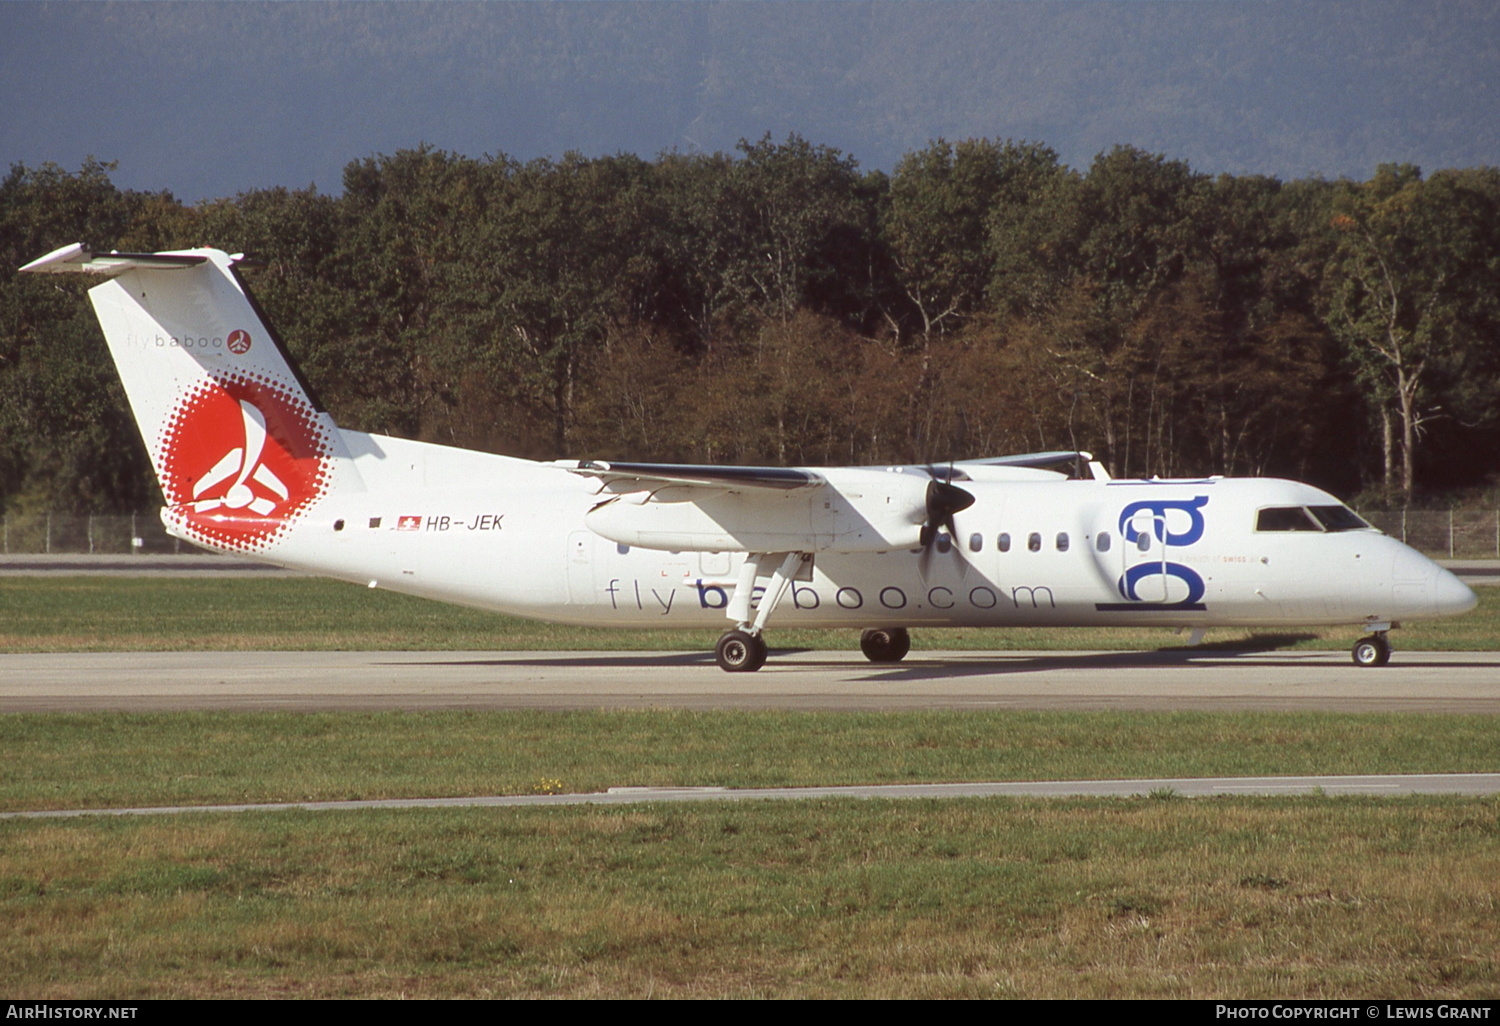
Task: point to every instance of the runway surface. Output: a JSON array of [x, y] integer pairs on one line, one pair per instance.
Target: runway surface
[[1447, 682]]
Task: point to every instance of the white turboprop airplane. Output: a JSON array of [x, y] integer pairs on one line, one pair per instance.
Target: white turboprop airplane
[[250, 464]]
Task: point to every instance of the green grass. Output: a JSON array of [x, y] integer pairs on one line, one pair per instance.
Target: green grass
[[118, 614], [107, 759], [1222, 898]]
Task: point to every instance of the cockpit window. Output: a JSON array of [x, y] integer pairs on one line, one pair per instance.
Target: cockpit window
[[1310, 518], [1338, 518], [1286, 518]]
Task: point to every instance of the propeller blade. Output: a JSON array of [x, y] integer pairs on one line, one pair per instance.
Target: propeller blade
[[944, 499]]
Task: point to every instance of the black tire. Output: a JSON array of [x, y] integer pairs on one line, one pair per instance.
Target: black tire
[[1371, 651], [740, 652], [885, 644]]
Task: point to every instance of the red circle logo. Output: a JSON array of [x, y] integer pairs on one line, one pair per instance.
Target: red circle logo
[[238, 342], [241, 458]]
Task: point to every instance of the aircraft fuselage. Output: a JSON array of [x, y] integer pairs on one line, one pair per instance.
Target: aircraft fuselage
[[1032, 553]]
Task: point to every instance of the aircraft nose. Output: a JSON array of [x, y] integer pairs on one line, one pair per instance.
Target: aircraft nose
[[1450, 595]]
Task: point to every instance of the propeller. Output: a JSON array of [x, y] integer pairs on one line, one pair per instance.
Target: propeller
[[944, 498]]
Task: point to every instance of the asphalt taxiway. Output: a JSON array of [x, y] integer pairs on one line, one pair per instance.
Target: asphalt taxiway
[[1196, 679]]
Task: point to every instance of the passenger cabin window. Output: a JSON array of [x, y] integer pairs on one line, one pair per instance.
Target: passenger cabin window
[[1034, 542], [1062, 541], [1102, 542], [976, 542], [1286, 518], [944, 542], [1003, 543]]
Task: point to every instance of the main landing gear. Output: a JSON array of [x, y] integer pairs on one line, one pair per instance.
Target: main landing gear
[[1372, 651], [740, 652], [885, 644], [743, 649]]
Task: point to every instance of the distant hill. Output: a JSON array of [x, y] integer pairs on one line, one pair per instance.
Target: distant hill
[[212, 99]]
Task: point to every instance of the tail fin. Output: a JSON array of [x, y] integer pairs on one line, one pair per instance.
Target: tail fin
[[240, 447]]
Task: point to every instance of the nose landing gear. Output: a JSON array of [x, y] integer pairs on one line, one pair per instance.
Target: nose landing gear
[[1372, 651]]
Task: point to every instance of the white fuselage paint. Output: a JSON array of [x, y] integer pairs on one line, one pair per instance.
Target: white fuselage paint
[[511, 536]]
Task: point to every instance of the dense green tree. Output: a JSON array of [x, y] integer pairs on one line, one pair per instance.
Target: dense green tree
[[1135, 237], [403, 223], [776, 304], [954, 213], [555, 263], [806, 390], [67, 442], [1409, 290]]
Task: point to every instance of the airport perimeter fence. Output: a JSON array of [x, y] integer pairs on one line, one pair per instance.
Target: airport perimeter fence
[[1451, 534], [138, 533]]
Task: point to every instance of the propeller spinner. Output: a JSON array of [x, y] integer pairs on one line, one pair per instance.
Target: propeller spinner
[[943, 500]]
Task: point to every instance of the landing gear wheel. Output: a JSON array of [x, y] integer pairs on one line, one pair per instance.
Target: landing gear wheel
[[740, 652], [885, 644], [1371, 651]]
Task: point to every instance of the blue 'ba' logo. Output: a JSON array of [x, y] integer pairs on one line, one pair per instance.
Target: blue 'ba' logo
[[1175, 523]]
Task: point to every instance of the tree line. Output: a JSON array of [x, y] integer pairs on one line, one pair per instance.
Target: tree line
[[780, 305]]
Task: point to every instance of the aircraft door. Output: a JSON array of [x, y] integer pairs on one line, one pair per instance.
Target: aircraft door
[[714, 564], [403, 548], [581, 567], [1144, 555]]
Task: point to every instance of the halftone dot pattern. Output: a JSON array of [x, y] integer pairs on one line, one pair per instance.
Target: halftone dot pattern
[[226, 487]]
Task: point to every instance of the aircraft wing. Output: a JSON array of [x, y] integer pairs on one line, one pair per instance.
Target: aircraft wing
[[1035, 460], [688, 507], [648, 475]]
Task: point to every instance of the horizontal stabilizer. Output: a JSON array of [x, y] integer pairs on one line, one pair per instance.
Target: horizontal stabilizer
[[79, 259], [781, 478]]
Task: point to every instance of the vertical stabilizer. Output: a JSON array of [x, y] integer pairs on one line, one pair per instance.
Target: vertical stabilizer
[[241, 450]]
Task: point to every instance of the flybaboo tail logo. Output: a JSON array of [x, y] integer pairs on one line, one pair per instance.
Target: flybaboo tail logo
[[241, 457]]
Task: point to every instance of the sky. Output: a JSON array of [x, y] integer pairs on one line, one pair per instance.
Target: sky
[[212, 99]]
